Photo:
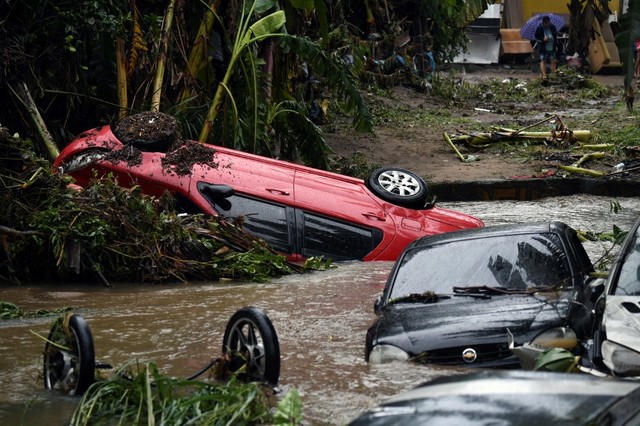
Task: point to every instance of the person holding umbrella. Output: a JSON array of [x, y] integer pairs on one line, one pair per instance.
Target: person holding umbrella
[[547, 39]]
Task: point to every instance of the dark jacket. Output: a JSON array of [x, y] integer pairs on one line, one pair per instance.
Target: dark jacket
[[540, 37]]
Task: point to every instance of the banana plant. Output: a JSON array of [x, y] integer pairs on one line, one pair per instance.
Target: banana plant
[[248, 34], [162, 59], [305, 139], [318, 8], [197, 61]]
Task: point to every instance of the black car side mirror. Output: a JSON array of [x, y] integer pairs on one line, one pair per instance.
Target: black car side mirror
[[216, 195], [377, 304], [596, 288]]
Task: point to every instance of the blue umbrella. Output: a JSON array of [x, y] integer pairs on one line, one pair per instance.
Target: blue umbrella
[[528, 30]]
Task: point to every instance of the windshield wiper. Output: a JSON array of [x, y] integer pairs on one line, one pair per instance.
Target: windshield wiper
[[427, 297], [488, 291]]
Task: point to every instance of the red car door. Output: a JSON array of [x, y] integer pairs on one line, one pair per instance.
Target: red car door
[[336, 212]]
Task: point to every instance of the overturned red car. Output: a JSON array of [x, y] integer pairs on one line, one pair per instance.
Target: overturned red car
[[298, 210]]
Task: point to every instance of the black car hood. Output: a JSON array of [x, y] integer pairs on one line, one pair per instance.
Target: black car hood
[[463, 321]]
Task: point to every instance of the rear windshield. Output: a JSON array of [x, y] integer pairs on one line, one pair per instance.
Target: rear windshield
[[513, 261], [629, 279]]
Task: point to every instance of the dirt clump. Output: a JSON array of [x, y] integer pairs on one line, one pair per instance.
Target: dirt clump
[[182, 159], [147, 130], [129, 154]]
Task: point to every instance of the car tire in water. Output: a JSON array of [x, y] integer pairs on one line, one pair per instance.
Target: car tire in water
[[148, 131], [69, 356], [399, 186], [250, 341]]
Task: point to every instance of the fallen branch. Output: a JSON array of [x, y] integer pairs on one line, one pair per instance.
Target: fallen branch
[[503, 134], [596, 147], [15, 233], [448, 139], [572, 169], [22, 95], [588, 157]]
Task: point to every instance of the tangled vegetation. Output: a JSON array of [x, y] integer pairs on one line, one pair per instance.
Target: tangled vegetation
[[9, 310], [140, 394], [104, 232]]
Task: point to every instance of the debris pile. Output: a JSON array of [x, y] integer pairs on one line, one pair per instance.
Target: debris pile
[[52, 231], [570, 148]]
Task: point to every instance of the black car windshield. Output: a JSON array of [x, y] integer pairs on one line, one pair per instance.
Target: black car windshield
[[629, 278], [517, 262]]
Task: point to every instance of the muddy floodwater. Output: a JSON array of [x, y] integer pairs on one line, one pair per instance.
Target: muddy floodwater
[[320, 319]]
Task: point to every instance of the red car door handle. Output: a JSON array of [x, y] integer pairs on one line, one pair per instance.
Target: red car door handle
[[278, 191], [374, 216]]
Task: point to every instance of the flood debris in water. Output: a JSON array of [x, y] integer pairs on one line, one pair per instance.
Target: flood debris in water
[[51, 231], [237, 388], [10, 310], [154, 397]]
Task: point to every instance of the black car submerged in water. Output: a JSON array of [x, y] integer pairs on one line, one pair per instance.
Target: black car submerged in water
[[511, 398], [453, 298]]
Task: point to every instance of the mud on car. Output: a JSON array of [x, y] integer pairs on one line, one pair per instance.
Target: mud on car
[[298, 210]]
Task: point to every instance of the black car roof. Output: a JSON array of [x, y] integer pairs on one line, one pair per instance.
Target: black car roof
[[490, 231]]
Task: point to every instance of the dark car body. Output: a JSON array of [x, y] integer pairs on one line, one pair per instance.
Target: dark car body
[[618, 311], [298, 210], [511, 398], [451, 298]]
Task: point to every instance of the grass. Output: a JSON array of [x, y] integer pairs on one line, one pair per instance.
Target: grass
[[138, 394], [402, 114], [614, 125]]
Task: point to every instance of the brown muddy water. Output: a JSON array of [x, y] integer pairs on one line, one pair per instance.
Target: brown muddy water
[[320, 318]]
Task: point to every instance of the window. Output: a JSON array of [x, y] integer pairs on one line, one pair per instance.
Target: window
[[629, 277], [518, 261], [185, 205], [262, 219], [322, 236]]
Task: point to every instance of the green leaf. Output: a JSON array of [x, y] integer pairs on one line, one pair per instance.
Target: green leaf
[[262, 6], [289, 411], [265, 26], [323, 21]]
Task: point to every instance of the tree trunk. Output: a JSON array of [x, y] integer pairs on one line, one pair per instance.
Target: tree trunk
[[22, 94], [121, 76], [164, 46]]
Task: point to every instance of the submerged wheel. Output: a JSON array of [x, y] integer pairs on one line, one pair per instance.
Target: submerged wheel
[[251, 345], [69, 356], [399, 186], [148, 131]]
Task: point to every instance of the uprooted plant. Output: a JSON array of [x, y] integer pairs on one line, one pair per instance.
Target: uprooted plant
[[53, 232], [140, 394]]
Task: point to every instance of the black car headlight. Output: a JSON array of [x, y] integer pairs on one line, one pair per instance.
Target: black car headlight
[[382, 354], [620, 359]]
